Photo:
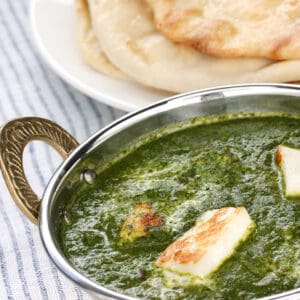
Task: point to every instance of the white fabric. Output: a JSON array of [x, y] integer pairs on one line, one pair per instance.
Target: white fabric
[[29, 88]]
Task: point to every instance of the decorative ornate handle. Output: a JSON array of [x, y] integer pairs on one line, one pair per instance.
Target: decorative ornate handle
[[14, 136]]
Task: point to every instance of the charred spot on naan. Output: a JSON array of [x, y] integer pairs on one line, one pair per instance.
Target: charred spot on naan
[[140, 51], [288, 42]]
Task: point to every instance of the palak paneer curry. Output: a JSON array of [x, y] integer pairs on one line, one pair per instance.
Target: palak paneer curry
[[140, 206]]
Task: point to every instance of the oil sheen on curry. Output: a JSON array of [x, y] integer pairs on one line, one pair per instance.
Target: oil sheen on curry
[[207, 210]]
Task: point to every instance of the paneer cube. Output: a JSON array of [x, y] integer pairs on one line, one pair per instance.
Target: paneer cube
[[139, 222], [203, 248], [289, 161]]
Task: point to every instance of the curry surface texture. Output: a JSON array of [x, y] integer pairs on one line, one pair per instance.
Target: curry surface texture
[[229, 162]]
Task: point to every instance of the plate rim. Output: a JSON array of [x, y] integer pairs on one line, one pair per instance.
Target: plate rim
[[52, 63]]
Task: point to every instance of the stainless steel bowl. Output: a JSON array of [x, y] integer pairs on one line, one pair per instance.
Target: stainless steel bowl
[[107, 142]]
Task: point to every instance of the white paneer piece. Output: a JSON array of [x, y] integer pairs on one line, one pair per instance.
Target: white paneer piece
[[203, 248], [289, 161]]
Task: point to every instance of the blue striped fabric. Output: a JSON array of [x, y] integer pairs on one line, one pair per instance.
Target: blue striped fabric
[[28, 87]]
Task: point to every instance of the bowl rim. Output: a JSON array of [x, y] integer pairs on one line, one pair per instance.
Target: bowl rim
[[198, 96]]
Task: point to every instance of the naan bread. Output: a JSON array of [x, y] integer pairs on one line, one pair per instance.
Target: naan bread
[[89, 46], [129, 38], [231, 28]]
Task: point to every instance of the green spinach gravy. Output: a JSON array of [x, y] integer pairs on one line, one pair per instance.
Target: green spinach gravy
[[228, 161]]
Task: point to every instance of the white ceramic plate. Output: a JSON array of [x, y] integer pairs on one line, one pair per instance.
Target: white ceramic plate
[[53, 26]]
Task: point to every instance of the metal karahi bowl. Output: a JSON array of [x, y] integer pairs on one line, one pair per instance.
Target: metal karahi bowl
[[106, 143]]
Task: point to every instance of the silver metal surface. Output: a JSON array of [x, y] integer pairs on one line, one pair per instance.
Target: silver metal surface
[[107, 142]]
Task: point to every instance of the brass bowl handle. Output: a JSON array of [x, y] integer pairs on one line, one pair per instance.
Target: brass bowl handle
[[14, 136]]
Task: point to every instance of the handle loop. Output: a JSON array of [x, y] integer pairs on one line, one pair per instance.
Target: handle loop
[[14, 136]]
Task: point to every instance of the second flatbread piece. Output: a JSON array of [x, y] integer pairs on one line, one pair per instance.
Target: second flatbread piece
[[89, 46]]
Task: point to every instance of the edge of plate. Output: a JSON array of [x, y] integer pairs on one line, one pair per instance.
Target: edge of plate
[[55, 66]]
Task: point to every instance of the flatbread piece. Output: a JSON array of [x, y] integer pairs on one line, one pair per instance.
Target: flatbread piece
[[127, 35], [230, 28], [89, 46]]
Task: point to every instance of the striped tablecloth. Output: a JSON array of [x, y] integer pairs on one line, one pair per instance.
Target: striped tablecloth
[[29, 88]]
